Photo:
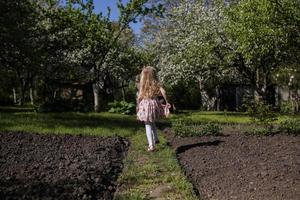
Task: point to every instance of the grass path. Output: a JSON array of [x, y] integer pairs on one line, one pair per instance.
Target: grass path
[[152, 175]]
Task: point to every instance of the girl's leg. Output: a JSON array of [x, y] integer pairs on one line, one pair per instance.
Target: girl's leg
[[149, 134], [154, 133]]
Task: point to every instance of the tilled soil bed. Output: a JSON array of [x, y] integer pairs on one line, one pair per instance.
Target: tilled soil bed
[[36, 166], [241, 167]]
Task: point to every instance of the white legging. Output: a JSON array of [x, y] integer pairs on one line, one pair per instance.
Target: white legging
[[151, 132]]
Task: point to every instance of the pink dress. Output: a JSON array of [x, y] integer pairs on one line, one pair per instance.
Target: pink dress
[[150, 110]]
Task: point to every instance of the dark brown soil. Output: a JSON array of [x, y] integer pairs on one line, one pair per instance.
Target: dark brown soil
[[241, 167], [34, 166]]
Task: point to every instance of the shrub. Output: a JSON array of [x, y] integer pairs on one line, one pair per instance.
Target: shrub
[[182, 130], [286, 107], [188, 128], [263, 115], [211, 129], [260, 131], [121, 107], [290, 126]]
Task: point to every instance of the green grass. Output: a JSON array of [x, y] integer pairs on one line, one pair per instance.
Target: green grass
[[225, 117], [143, 171]]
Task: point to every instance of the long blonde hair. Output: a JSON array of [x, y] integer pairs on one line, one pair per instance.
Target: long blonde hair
[[149, 86]]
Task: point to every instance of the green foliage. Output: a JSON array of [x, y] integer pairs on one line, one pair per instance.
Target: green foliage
[[186, 128], [263, 36], [286, 107], [211, 129], [263, 115], [121, 107], [288, 76], [290, 126], [259, 131]]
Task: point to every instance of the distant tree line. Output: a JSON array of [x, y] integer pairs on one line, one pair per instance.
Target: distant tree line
[[197, 46]]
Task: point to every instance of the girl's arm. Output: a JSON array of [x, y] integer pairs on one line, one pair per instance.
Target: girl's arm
[[163, 92]]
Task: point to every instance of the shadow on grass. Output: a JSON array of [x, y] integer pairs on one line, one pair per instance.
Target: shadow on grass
[[97, 121], [162, 124], [13, 109], [189, 112], [184, 148], [224, 114]]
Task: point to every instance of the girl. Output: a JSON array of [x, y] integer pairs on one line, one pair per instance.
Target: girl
[[149, 107]]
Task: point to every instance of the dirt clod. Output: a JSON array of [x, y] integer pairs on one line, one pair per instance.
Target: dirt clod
[[39, 166], [241, 167]]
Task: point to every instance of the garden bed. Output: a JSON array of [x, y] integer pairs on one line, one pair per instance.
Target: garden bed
[[36, 166], [241, 167]]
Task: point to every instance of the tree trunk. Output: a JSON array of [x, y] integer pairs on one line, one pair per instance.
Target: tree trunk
[[207, 101], [257, 96], [23, 86], [32, 89], [123, 94], [260, 86], [218, 100], [15, 95], [96, 90], [22, 96], [31, 96], [237, 104]]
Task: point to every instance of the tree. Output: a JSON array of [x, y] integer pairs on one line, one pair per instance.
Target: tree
[[17, 25], [191, 47], [236, 41], [102, 38], [265, 36]]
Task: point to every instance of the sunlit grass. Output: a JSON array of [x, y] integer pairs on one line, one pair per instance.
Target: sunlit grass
[[225, 117]]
